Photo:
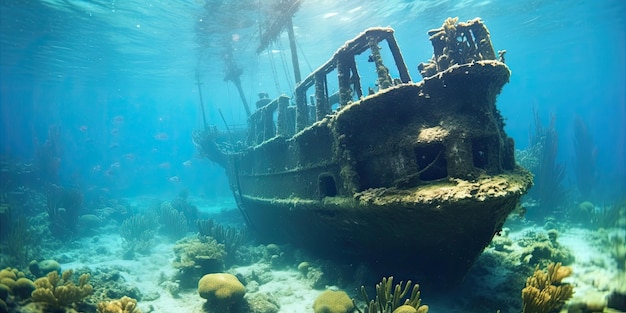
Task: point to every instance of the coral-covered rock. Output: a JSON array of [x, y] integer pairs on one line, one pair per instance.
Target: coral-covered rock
[[40, 269], [196, 257]]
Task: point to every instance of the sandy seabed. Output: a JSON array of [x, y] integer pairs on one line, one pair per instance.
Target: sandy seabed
[[595, 274]]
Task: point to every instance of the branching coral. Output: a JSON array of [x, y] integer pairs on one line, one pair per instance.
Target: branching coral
[[173, 222], [544, 291], [123, 305], [19, 242], [232, 238], [59, 292], [138, 231], [181, 204], [63, 205], [387, 302]]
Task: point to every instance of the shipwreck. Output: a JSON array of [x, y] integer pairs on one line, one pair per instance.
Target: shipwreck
[[404, 175]]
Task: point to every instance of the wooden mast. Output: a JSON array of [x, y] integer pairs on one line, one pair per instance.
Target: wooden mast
[[282, 20]]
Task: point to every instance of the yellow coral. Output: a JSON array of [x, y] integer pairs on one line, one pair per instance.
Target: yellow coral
[[333, 302], [409, 309], [123, 305], [389, 299], [23, 288], [221, 290], [8, 273], [60, 292], [544, 291]]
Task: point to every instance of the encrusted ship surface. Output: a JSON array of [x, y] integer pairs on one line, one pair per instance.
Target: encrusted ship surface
[[413, 176]]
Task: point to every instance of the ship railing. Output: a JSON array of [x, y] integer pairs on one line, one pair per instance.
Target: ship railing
[[349, 81], [279, 118], [262, 124]]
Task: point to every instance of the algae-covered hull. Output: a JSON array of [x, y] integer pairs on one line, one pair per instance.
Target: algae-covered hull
[[436, 233], [414, 177]]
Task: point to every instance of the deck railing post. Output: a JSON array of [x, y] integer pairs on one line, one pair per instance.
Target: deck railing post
[[321, 96], [302, 111], [281, 119], [343, 75]]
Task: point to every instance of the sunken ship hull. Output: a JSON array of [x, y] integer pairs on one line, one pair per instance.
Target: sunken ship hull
[[416, 176]]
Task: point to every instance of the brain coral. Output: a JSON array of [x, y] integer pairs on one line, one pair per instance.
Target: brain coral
[[333, 302], [222, 291]]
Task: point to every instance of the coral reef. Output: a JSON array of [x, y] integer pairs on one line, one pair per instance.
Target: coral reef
[[386, 301], [331, 301], [173, 222], [123, 305], [109, 283], [18, 242], [222, 291], [23, 288], [44, 267], [544, 291], [549, 173], [181, 204], [196, 257], [15, 282], [232, 238], [138, 232], [540, 249], [58, 292], [262, 303], [63, 205]]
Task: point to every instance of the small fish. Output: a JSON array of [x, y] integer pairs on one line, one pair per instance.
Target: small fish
[[161, 136], [165, 165], [174, 179], [118, 119], [130, 156], [187, 163], [83, 128], [96, 168], [115, 165]]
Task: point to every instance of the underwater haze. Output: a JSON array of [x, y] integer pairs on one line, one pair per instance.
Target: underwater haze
[[118, 78], [99, 100]]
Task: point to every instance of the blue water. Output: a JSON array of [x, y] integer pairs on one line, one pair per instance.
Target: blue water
[[118, 80]]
